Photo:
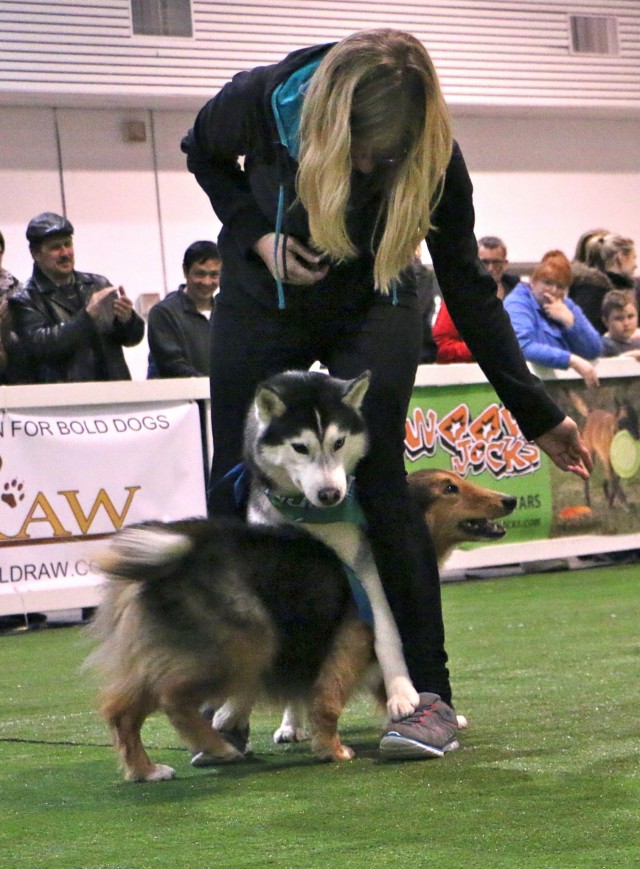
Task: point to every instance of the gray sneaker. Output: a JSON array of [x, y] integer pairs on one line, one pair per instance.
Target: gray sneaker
[[430, 731]]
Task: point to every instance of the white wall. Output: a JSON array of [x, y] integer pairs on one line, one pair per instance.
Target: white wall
[[125, 213], [539, 183], [502, 53]]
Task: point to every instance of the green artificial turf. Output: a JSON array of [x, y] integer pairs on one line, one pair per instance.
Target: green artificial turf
[[545, 667]]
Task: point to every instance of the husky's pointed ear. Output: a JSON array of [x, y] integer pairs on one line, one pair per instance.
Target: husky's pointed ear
[[268, 404], [357, 389]]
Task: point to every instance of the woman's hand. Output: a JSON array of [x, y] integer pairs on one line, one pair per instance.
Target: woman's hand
[[585, 369], [566, 449], [296, 263], [555, 308]]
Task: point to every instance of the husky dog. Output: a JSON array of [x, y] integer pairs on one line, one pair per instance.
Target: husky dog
[[304, 436]]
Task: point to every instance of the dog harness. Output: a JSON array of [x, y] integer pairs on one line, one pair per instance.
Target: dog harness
[[299, 509]]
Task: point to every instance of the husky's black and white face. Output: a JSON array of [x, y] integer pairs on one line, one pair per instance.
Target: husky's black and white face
[[306, 434]]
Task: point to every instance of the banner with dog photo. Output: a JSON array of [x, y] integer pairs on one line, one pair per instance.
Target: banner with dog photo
[[69, 478], [608, 418], [464, 428]]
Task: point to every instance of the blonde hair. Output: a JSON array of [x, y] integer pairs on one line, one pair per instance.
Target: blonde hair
[[379, 87], [603, 250], [582, 245]]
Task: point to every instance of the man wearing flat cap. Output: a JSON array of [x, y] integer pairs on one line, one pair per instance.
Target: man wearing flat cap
[[70, 326]]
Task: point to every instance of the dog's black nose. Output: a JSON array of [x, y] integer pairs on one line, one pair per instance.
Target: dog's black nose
[[509, 503], [329, 496]]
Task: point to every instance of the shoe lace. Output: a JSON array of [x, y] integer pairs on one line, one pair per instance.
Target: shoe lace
[[420, 714]]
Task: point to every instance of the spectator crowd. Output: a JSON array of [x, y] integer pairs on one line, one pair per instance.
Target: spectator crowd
[[61, 325]]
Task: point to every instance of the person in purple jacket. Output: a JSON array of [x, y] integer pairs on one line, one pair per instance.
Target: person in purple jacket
[[552, 329], [348, 163]]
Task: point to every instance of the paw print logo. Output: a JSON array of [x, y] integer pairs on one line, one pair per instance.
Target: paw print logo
[[12, 493]]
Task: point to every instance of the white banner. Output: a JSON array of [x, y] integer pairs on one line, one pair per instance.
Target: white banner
[[70, 478]]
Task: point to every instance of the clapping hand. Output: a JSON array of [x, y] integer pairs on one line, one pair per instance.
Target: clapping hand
[[110, 302], [122, 306]]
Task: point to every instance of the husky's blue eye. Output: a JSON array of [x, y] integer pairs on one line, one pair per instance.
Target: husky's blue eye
[[339, 444], [301, 448]]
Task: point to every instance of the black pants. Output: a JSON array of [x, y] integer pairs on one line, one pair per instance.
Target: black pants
[[385, 339]]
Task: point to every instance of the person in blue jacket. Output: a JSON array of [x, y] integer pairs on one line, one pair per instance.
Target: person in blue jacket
[[348, 164], [552, 329]]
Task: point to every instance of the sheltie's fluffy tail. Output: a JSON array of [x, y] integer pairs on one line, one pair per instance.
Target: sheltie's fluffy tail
[[143, 553]]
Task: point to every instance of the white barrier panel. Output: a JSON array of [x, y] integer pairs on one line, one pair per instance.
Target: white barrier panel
[[80, 460], [70, 477]]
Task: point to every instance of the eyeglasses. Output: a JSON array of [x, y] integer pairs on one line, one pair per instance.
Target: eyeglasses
[[389, 159], [547, 282], [379, 158], [492, 262]]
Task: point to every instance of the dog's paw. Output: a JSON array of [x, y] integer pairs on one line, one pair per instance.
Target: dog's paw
[[159, 772], [344, 753], [403, 699], [399, 707], [202, 758], [333, 751], [286, 733]]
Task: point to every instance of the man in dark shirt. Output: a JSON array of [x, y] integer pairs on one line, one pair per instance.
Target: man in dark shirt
[[492, 252], [179, 324], [70, 326]]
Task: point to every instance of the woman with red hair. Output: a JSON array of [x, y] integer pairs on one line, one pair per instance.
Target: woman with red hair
[[552, 330]]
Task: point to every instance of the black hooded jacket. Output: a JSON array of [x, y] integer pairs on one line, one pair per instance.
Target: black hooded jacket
[[239, 122]]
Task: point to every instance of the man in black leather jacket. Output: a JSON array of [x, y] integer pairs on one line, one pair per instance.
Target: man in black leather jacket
[[68, 326]]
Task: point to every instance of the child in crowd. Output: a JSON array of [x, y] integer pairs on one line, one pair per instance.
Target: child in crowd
[[620, 316]]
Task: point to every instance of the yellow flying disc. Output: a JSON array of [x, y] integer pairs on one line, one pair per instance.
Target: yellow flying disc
[[625, 455]]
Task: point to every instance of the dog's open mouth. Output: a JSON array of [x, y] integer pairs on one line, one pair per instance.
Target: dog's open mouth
[[482, 528]]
